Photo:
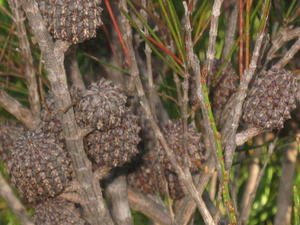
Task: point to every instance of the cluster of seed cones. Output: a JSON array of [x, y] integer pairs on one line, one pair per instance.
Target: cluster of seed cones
[[271, 99], [38, 161], [41, 169], [157, 175]]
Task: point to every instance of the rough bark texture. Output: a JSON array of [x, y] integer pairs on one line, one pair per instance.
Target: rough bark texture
[[54, 63], [117, 197], [19, 111]]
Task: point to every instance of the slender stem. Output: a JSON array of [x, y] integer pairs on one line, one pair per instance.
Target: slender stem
[[22, 113], [148, 53], [241, 39], [116, 193], [185, 208], [211, 50], [73, 70], [183, 175], [285, 193], [285, 34], [243, 219], [209, 122], [116, 27], [231, 125], [247, 47], [230, 32], [155, 211], [253, 172], [288, 55], [13, 202], [30, 74]]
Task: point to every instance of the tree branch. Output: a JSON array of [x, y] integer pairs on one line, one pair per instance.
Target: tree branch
[[288, 55], [19, 111], [53, 54], [32, 85], [231, 124], [243, 219], [245, 135], [116, 192], [211, 50], [230, 32], [185, 208], [184, 175], [284, 35], [150, 208], [73, 70], [13, 202], [284, 197]]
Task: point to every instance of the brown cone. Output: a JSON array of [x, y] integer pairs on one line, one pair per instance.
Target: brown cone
[[271, 99], [39, 168], [57, 212], [9, 132], [116, 146], [71, 20]]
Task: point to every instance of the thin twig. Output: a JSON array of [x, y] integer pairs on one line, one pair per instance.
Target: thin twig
[[284, 35], [284, 197], [241, 38], [116, 193], [13, 202], [30, 74], [247, 45], [245, 135], [214, 140], [148, 53], [184, 175], [288, 55], [230, 32], [73, 70], [253, 172], [244, 217], [211, 49], [53, 54], [185, 208], [231, 124], [184, 107], [148, 207], [22, 113]]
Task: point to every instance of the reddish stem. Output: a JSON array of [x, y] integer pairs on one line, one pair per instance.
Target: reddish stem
[[106, 33], [111, 14], [163, 48], [241, 31], [247, 57]]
